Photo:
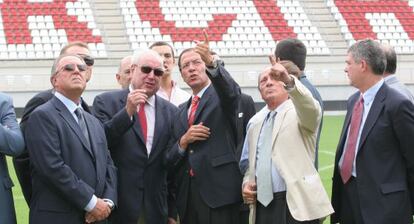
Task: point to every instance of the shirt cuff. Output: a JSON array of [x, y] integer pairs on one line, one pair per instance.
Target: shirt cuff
[[92, 203], [181, 151], [109, 202]]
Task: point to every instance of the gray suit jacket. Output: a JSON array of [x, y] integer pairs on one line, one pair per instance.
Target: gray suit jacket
[[11, 144], [393, 82]]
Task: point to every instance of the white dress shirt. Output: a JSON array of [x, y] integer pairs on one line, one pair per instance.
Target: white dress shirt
[[178, 95]]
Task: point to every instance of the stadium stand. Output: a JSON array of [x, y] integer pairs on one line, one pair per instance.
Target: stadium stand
[[243, 32]]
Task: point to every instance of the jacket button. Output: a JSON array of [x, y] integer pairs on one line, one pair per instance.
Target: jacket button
[[191, 151]]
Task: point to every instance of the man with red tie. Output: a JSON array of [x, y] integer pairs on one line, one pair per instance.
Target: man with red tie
[[203, 157], [373, 178], [137, 124]]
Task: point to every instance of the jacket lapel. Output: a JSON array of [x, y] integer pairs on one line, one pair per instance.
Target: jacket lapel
[[203, 102], [68, 118], [277, 123], [374, 112]]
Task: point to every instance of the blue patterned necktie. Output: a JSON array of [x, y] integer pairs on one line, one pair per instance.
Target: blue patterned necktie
[[264, 161]]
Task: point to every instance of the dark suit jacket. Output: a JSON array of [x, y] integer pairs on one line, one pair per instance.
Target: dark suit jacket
[[384, 161], [11, 144], [315, 93], [245, 111], [214, 162], [22, 162], [65, 171], [142, 179]]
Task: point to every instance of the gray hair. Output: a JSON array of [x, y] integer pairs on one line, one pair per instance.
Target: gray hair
[[58, 59], [371, 52], [138, 55]]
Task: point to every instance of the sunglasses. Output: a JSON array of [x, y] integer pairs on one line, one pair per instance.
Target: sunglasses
[[148, 69], [71, 67], [89, 61]]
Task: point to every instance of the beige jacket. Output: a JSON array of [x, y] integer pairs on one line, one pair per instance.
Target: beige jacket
[[294, 137]]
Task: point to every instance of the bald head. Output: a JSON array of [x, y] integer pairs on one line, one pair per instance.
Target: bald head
[[124, 72]]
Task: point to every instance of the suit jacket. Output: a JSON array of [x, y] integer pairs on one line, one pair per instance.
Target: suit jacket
[[384, 160], [315, 93], [293, 149], [142, 178], [213, 160], [11, 144], [22, 162], [245, 111], [393, 82], [66, 172]]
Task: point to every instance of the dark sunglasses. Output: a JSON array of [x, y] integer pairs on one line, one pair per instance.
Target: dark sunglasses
[[89, 61], [147, 70], [71, 67]]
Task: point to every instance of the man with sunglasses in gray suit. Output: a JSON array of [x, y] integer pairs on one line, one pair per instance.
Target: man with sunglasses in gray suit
[[73, 176], [22, 162], [137, 124]]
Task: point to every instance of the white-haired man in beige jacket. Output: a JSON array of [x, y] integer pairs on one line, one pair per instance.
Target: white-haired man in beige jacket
[[281, 183]]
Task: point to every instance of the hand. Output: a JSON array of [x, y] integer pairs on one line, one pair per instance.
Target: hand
[[203, 49], [197, 132], [249, 192], [171, 221], [279, 73], [135, 97], [100, 212]]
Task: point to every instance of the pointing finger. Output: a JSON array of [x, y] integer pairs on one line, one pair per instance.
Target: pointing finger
[[272, 59]]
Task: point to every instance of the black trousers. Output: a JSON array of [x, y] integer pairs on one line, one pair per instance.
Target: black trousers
[[198, 212], [350, 209], [277, 212]]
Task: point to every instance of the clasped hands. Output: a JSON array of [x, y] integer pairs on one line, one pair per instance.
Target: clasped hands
[[100, 212]]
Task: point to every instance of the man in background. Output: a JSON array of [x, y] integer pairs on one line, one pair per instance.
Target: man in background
[[11, 144], [123, 76], [22, 162], [169, 89], [389, 75], [294, 50]]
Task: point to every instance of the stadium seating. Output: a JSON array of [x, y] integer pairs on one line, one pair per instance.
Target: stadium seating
[[39, 29], [239, 24], [388, 21]]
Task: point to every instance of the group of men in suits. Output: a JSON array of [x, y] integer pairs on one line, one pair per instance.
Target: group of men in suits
[[150, 160]]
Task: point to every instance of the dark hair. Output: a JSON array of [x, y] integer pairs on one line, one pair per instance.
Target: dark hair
[[292, 49], [162, 43], [371, 52], [391, 57], [181, 54]]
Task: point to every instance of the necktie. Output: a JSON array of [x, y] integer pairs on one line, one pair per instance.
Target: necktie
[[143, 120], [264, 162], [350, 148], [194, 105], [82, 124]]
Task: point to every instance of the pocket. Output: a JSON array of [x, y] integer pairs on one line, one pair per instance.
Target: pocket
[[223, 159], [7, 183], [389, 188]]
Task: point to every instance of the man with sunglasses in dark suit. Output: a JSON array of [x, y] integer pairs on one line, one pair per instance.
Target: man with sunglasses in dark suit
[[73, 176], [137, 124], [22, 162]]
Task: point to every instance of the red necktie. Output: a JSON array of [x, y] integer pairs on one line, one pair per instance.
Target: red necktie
[[350, 148], [194, 105], [143, 120]]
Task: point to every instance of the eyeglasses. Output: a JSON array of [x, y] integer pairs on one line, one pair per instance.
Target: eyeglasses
[[195, 62], [89, 61], [147, 70], [71, 67]]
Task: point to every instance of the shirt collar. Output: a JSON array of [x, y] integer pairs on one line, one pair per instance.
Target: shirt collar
[[369, 95], [72, 106], [200, 94]]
